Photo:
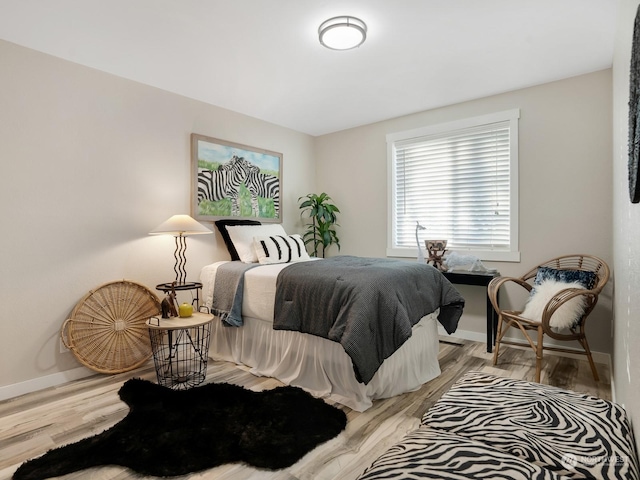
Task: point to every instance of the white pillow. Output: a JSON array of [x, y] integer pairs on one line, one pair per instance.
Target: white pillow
[[242, 238], [280, 249], [565, 316]]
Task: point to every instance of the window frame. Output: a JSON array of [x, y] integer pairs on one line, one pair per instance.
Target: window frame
[[512, 116]]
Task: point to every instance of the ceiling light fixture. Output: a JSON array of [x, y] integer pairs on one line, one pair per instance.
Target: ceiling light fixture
[[342, 33]]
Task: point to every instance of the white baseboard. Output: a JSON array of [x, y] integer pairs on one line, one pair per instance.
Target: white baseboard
[[598, 357], [28, 386]]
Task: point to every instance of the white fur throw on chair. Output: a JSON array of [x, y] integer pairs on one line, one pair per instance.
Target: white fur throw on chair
[[565, 316]]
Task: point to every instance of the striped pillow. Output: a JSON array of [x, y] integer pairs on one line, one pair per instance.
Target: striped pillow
[[280, 249]]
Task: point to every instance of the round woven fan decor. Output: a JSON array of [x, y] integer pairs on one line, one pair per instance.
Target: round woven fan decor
[[106, 330]]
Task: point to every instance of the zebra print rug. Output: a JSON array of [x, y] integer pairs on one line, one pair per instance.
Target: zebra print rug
[[427, 453], [578, 436], [491, 427]]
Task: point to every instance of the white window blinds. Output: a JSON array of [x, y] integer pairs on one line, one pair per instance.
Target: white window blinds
[[458, 184]]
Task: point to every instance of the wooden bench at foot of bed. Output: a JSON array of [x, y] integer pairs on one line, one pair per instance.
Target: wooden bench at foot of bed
[[500, 428]]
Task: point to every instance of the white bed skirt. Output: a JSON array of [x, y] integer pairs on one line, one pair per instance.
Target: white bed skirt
[[321, 366]]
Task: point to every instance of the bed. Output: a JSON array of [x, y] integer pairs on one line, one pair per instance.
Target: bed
[[319, 365]]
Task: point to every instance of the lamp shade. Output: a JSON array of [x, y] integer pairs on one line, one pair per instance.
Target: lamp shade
[[342, 33], [182, 225]]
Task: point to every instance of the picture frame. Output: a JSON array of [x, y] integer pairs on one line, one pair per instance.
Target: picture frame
[[231, 180], [634, 114]]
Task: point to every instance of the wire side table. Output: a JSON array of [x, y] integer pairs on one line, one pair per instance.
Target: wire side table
[[180, 349], [181, 287]]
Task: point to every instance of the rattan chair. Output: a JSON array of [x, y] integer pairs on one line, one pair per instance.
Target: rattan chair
[[509, 318]]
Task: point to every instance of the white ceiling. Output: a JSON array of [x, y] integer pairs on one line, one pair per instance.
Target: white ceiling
[[262, 57]]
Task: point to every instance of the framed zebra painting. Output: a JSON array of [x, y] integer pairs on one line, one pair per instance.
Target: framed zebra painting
[[230, 180]]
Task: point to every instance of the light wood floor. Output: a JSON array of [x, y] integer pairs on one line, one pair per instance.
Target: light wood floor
[[34, 423]]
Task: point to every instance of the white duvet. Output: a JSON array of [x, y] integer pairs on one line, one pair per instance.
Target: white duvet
[[259, 289]]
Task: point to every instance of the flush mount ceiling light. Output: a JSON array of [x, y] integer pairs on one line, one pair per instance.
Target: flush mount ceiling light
[[342, 33]]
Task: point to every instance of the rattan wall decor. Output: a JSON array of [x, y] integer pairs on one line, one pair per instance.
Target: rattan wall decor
[[106, 330]]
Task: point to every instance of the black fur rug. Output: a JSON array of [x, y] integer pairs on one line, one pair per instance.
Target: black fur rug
[[169, 432]]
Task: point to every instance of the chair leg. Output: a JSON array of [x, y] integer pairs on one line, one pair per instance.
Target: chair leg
[[496, 346], [594, 371], [539, 349]]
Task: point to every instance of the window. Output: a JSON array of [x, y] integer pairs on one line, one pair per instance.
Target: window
[[459, 181]]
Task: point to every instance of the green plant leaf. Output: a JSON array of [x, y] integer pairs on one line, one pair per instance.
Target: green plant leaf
[[320, 232]]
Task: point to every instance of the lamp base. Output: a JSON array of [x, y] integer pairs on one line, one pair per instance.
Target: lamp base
[[167, 287], [180, 254]]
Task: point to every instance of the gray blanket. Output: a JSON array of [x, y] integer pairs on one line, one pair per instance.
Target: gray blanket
[[368, 305], [228, 292]]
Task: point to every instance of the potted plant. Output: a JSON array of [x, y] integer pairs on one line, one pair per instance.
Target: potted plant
[[320, 232]]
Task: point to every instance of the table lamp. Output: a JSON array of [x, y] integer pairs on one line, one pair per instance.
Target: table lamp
[[420, 254], [180, 226]]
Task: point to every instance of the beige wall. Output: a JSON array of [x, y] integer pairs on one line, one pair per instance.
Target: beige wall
[[626, 231], [90, 163], [565, 181]]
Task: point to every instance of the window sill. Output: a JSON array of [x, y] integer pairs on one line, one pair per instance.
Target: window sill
[[484, 255]]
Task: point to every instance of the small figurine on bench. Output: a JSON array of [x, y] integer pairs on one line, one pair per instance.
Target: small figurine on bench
[[436, 249], [168, 304]]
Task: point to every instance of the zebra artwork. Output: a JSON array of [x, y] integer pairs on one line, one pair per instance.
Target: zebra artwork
[[264, 186], [214, 185]]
